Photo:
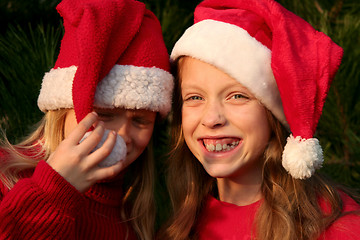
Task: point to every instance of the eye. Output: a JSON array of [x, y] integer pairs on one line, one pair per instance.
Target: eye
[[239, 96], [142, 121], [193, 98], [105, 116]]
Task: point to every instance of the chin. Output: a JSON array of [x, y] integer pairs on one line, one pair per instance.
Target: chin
[[217, 172]]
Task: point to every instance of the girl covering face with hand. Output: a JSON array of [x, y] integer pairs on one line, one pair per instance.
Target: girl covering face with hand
[[251, 82], [101, 100]]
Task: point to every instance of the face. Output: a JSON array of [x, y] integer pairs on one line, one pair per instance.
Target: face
[[224, 125], [134, 126]]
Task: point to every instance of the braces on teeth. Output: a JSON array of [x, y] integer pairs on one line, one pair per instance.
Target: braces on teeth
[[221, 147]]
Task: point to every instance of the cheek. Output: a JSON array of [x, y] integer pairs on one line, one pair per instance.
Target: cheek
[[190, 116], [263, 125], [258, 130], [142, 138], [188, 122]]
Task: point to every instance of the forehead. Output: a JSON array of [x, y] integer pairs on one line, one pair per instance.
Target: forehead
[[125, 110], [196, 73]]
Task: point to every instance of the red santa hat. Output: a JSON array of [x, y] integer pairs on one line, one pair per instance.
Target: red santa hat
[[279, 57], [112, 55]]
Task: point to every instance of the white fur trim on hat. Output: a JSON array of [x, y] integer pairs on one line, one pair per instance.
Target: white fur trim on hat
[[125, 86], [136, 88], [55, 92], [232, 50], [301, 157]]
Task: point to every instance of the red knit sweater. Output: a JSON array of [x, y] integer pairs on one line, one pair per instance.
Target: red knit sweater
[[43, 205], [225, 221]]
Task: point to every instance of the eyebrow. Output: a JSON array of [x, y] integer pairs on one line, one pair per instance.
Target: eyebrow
[[232, 85]]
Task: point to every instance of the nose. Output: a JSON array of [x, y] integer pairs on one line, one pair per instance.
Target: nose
[[123, 131], [213, 115]]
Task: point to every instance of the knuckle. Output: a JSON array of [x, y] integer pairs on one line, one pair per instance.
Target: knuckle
[[83, 125], [97, 136], [90, 179], [98, 133], [64, 142], [112, 172], [75, 157], [106, 151]]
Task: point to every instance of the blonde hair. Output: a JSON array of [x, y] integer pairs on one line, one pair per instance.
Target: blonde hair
[[35, 147], [286, 201], [138, 202]]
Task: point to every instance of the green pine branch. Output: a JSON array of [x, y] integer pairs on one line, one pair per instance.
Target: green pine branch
[[26, 53]]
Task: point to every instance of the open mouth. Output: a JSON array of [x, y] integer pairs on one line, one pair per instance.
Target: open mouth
[[221, 145]]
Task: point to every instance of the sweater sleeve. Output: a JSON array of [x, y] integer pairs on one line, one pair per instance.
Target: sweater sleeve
[[43, 206]]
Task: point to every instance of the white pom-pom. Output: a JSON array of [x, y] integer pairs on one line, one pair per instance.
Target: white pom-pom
[[118, 153], [301, 157]]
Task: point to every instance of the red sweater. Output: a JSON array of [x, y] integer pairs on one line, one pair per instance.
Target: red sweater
[[43, 205], [225, 221]]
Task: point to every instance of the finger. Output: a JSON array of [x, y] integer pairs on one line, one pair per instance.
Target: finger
[[104, 151], [91, 141], [108, 172], [83, 126]]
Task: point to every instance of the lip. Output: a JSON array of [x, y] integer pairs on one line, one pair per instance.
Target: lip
[[218, 154]]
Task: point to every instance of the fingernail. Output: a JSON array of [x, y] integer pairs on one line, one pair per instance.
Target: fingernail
[[95, 113]]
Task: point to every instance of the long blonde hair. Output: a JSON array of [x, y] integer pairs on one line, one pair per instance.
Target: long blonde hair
[[23, 156], [138, 202], [287, 201]]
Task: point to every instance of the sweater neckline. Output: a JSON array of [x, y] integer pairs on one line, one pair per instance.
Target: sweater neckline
[[108, 193], [214, 201]]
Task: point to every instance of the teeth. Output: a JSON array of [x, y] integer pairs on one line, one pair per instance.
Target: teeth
[[221, 148], [210, 147]]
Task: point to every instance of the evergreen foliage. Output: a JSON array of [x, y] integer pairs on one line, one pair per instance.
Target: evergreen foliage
[[26, 53]]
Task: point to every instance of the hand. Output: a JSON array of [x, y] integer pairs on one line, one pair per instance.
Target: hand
[[118, 152], [77, 163]]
